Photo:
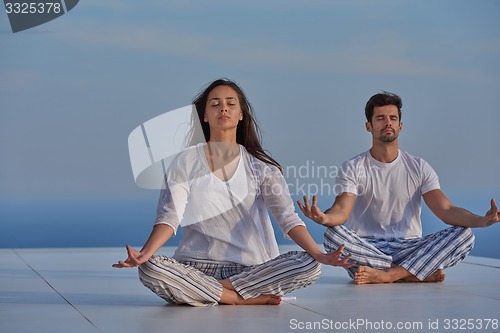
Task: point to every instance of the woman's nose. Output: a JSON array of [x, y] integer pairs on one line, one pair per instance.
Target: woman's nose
[[223, 107]]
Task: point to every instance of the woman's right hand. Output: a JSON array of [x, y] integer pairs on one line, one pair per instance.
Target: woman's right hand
[[134, 258]]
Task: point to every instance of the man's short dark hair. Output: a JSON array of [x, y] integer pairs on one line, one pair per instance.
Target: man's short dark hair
[[382, 99]]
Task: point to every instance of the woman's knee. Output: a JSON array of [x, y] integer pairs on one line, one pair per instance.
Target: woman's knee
[[310, 267], [156, 271]]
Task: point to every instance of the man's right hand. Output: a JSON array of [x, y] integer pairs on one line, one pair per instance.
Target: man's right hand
[[312, 211]]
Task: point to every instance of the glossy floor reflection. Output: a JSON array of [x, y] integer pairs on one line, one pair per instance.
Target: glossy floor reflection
[[77, 290]]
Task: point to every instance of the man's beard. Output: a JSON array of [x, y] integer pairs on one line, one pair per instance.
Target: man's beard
[[388, 138]]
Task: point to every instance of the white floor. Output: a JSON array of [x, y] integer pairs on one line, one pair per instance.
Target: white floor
[[77, 290]]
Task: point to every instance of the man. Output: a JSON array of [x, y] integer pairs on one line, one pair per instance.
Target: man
[[381, 199]]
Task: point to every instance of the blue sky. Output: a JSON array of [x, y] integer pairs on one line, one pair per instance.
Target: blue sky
[[73, 89]]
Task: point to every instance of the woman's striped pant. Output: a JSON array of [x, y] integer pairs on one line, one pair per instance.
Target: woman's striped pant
[[195, 283], [420, 256]]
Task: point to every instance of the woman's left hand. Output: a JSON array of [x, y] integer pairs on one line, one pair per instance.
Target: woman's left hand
[[334, 258]]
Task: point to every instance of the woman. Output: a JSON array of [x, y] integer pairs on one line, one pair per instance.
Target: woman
[[220, 189]]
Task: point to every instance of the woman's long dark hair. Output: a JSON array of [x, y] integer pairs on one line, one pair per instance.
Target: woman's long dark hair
[[247, 132]]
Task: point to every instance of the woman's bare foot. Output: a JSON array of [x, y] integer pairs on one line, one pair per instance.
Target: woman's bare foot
[[262, 300], [233, 298], [230, 296], [226, 284]]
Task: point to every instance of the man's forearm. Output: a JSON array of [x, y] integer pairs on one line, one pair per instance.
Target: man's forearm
[[461, 217], [334, 217]]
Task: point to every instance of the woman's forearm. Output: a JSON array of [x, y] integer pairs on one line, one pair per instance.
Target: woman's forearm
[[301, 236], [160, 235]]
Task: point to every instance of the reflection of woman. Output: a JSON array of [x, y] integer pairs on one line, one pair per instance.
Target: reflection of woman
[[221, 191]]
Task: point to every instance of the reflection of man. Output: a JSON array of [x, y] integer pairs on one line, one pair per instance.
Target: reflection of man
[[381, 199]]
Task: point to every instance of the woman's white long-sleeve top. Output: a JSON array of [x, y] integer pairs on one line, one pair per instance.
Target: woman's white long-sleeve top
[[225, 221]]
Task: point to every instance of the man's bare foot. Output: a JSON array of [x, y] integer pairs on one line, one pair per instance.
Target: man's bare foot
[[367, 275], [436, 277]]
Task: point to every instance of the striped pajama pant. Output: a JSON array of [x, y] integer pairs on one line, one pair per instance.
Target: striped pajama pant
[[195, 283], [419, 256]]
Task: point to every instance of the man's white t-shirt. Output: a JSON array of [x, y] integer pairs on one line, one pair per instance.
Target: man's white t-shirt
[[388, 203]]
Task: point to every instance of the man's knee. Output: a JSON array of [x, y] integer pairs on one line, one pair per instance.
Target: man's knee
[[469, 232], [469, 237], [465, 235], [332, 238]]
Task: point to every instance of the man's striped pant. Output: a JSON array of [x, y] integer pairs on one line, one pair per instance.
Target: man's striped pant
[[420, 256]]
